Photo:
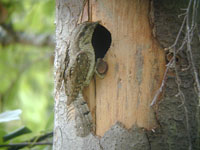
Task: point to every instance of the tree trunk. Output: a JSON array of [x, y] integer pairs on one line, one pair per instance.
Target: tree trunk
[[120, 103]]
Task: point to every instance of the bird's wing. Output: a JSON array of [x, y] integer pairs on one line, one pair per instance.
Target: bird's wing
[[76, 76]]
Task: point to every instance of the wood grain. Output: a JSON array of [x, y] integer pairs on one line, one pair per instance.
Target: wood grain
[[136, 65]]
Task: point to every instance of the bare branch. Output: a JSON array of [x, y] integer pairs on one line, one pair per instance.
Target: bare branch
[[162, 84], [187, 39], [189, 49], [32, 142], [25, 144], [9, 36], [190, 24]]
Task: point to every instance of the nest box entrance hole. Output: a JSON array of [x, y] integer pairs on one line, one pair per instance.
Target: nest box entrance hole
[[101, 41]]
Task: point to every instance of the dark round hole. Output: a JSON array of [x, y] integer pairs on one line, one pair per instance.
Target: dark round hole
[[177, 59], [101, 41], [170, 56]]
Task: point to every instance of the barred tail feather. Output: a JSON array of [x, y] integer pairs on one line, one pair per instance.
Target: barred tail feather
[[83, 117]]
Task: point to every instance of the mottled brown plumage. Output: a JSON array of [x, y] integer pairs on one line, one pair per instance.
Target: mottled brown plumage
[[78, 73], [81, 64]]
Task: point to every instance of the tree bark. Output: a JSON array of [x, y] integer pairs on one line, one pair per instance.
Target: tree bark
[[67, 16], [120, 103]]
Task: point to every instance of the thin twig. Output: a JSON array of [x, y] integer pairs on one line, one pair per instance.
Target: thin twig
[[170, 63], [178, 80], [31, 142], [26, 144], [180, 48], [179, 33], [190, 26], [11, 36], [162, 84], [190, 50]]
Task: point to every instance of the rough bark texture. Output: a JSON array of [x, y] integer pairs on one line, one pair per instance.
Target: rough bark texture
[[67, 15], [135, 60], [117, 137], [173, 132]]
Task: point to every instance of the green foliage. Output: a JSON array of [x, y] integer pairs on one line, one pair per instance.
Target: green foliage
[[31, 15], [27, 82], [27, 71]]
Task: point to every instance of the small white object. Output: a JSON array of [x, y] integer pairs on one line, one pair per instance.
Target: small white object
[[10, 115]]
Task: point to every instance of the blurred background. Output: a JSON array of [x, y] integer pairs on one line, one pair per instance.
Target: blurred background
[[26, 73]]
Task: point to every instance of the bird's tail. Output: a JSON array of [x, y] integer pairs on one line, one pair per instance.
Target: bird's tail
[[83, 117]]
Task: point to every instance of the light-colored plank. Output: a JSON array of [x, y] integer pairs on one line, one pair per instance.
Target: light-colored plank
[[136, 66]]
